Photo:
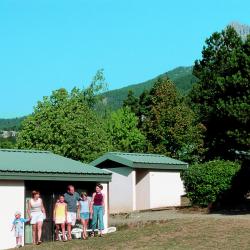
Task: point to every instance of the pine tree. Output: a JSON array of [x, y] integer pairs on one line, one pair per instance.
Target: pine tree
[[221, 98], [170, 125]]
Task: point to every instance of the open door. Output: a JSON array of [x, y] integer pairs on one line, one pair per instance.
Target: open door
[[28, 227], [48, 226], [50, 191]]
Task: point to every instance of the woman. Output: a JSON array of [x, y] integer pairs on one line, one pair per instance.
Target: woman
[[98, 210], [36, 213]]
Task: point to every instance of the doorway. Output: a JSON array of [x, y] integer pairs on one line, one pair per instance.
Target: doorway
[[50, 190]]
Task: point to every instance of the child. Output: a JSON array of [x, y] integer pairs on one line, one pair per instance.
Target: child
[[60, 216], [98, 210], [18, 226], [84, 208]]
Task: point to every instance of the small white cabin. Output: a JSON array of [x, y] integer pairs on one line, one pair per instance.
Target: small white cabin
[[22, 171], [142, 181]]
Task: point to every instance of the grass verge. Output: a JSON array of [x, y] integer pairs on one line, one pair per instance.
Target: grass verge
[[207, 233]]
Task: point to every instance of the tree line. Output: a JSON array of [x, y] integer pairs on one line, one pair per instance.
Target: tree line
[[211, 122], [207, 125]]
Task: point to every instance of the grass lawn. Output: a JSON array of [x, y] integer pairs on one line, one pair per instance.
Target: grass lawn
[[207, 233]]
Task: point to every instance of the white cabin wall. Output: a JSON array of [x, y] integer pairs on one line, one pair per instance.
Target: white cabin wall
[[166, 189], [12, 200], [142, 189], [121, 190]]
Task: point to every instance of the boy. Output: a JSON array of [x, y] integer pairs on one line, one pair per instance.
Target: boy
[[18, 226]]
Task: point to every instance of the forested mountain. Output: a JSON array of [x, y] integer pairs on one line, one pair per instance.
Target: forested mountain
[[11, 124], [181, 76], [113, 99]]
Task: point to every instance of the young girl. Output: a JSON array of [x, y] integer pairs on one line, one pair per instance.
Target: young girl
[[18, 226], [83, 211], [60, 216], [98, 209]]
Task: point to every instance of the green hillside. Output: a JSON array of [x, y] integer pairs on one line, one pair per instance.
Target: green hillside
[[11, 124], [181, 76]]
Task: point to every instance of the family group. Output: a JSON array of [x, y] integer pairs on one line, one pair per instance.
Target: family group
[[68, 208]]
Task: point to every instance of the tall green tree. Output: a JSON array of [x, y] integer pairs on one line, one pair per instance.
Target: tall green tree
[[131, 101], [92, 94], [170, 125], [143, 106], [221, 98], [64, 124], [123, 131]]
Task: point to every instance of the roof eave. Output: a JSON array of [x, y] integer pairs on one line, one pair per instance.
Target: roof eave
[[54, 176], [160, 166]]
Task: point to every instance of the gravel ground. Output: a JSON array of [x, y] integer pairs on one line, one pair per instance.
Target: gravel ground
[[170, 214]]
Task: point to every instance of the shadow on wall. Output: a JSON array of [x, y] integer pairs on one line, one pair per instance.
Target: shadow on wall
[[115, 167], [140, 174]]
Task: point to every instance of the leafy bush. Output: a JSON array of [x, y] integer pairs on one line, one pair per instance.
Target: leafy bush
[[205, 183]]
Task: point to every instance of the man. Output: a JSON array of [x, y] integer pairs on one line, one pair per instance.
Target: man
[[71, 198]]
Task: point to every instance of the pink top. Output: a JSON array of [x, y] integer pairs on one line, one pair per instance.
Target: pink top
[[98, 199]]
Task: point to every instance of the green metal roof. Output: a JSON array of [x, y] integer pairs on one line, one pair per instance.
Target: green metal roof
[[27, 163], [138, 160]]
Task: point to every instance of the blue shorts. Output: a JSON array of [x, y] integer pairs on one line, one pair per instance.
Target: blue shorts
[[84, 216]]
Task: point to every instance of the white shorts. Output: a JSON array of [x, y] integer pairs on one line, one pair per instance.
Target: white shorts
[[36, 217], [71, 218], [19, 232]]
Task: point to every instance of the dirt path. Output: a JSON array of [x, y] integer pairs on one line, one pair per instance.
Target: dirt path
[[170, 215]]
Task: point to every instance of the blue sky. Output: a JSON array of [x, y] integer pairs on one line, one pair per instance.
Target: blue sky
[[45, 45]]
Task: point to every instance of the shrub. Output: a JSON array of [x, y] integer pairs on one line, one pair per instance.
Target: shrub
[[205, 183]]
